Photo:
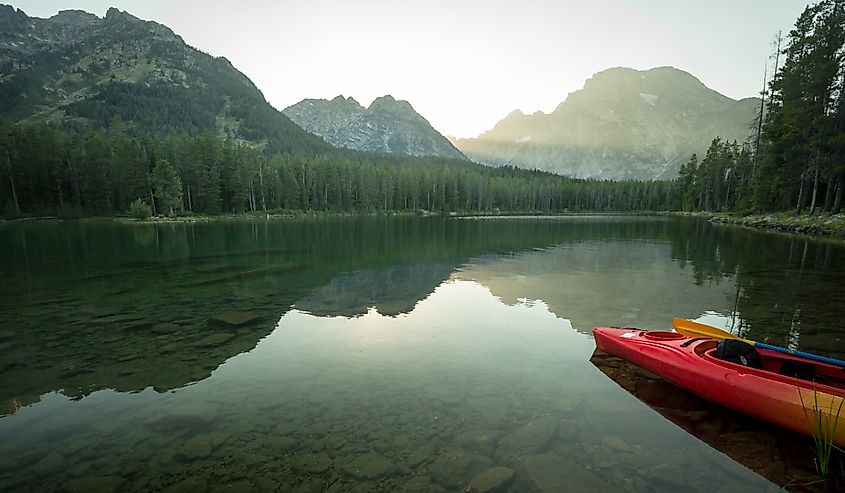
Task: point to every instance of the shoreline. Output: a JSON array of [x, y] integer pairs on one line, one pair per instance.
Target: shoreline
[[206, 218], [817, 226], [202, 218]]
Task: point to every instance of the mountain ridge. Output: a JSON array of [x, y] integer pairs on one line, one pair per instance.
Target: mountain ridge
[[386, 125], [77, 69], [623, 124]]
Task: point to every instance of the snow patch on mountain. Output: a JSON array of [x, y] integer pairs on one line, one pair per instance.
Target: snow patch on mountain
[[649, 98]]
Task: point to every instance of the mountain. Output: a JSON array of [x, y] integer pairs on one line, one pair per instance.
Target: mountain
[[77, 69], [624, 124], [392, 291], [387, 125]]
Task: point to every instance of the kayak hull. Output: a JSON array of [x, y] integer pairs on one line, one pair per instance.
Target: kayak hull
[[803, 406]]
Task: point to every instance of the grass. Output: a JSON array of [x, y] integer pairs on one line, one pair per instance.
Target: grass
[[823, 427]]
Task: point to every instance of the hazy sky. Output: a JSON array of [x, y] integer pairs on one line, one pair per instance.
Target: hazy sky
[[465, 64]]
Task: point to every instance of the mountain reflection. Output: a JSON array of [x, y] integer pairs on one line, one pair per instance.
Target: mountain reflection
[[92, 306], [604, 283], [392, 291], [103, 305]]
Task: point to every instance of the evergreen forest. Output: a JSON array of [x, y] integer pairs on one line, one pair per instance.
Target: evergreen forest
[[47, 171]]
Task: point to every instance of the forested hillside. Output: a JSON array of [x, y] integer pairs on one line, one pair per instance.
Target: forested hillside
[[79, 71]]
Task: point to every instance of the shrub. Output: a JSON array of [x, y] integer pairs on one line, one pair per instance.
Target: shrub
[[140, 210]]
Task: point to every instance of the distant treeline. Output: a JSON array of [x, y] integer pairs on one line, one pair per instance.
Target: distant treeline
[[795, 159], [47, 170]]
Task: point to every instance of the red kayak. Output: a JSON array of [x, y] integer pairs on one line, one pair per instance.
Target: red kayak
[[797, 404]]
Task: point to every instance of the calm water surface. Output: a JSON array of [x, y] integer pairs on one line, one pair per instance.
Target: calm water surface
[[361, 354]]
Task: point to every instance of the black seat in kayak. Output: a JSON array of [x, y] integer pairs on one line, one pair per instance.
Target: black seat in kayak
[[738, 352]]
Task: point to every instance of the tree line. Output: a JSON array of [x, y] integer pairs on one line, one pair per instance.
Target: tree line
[[45, 170], [795, 158]]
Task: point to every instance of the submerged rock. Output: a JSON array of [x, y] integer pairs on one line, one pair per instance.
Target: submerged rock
[[601, 456], [242, 486], [314, 463], [190, 485], [366, 466], [490, 479], [668, 475], [285, 427], [314, 485], [531, 437], [165, 328], [617, 443], [105, 484], [453, 468], [280, 444], [417, 484], [232, 319], [491, 408], [449, 395], [198, 447], [553, 473], [420, 455], [215, 339], [137, 325], [481, 441]]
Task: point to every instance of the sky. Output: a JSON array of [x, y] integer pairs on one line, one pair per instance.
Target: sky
[[465, 64]]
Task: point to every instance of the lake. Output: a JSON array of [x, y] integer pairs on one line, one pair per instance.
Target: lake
[[377, 353]]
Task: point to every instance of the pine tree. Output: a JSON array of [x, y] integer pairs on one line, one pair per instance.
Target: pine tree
[[167, 185]]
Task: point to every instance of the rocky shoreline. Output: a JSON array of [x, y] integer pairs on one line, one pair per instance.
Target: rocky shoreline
[[826, 225], [816, 225]]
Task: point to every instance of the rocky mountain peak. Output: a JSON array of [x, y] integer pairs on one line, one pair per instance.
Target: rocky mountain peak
[[116, 14], [390, 104], [12, 21], [9, 12], [387, 125], [341, 101], [75, 18]]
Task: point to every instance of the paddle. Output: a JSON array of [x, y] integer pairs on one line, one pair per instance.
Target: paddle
[[695, 329]]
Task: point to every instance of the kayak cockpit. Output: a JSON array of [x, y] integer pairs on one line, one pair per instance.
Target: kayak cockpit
[[785, 368]]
